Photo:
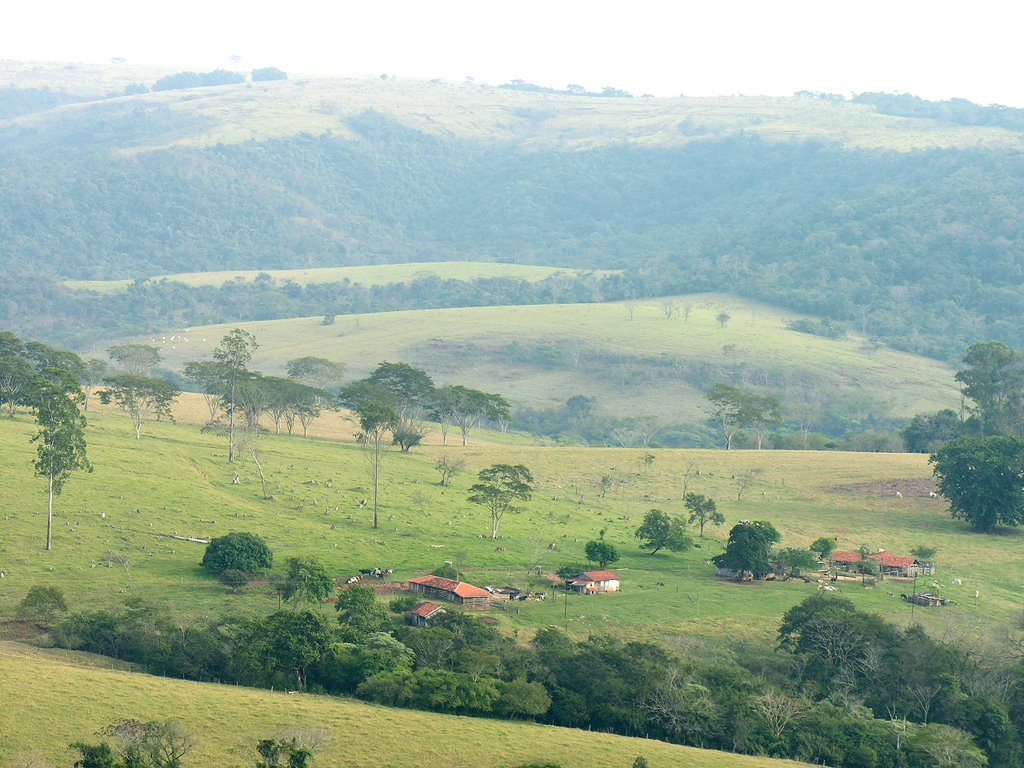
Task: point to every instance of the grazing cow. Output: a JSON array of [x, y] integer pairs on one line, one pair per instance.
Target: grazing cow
[[899, 495]]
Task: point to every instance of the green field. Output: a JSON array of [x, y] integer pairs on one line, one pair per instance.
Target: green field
[[382, 274], [71, 701], [541, 355], [177, 482]]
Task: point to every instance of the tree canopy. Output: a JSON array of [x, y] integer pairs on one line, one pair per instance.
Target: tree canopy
[[983, 478], [240, 551], [498, 488], [659, 531], [748, 548]]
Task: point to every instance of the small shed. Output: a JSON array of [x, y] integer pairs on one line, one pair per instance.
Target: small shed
[[424, 612], [440, 588], [592, 582]]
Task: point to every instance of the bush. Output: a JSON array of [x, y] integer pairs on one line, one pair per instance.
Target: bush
[[242, 551], [234, 579], [447, 572], [42, 604], [403, 603]]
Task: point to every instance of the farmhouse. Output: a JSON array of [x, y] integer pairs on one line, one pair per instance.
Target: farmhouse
[[453, 591], [896, 566], [424, 612], [594, 581]]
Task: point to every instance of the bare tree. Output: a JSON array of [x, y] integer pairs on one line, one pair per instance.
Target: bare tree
[[778, 711], [448, 467]]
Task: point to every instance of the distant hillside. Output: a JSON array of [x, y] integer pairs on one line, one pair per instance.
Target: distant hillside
[[632, 361], [907, 228]]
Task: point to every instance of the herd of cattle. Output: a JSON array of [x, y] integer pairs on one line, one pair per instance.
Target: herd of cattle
[[375, 573]]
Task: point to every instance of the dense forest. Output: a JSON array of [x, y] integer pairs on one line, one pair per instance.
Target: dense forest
[[917, 249]]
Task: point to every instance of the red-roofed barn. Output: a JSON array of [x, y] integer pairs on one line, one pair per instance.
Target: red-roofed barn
[[897, 566], [439, 588]]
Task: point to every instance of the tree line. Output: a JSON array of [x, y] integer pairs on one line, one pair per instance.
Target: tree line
[[843, 687], [978, 453]]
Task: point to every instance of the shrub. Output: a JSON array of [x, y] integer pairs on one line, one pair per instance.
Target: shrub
[[241, 551], [234, 579], [403, 603], [42, 604]]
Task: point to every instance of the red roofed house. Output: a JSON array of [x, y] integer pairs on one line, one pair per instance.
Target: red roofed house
[[423, 612], [453, 591], [889, 564], [594, 581]]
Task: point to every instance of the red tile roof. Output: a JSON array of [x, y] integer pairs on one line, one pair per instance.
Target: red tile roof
[[426, 610], [842, 556], [894, 561], [882, 558], [459, 588]]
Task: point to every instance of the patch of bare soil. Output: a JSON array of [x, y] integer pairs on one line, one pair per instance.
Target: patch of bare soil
[[925, 486]]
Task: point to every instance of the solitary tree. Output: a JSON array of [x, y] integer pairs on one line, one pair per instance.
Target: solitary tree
[[658, 531], [703, 511], [239, 551], [982, 478], [233, 354], [601, 552], [499, 487], [376, 419], [61, 436]]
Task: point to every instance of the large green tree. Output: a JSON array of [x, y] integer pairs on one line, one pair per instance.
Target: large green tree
[[61, 437], [983, 478], [306, 580], [994, 380], [660, 531], [702, 511], [498, 488], [748, 548], [238, 551]]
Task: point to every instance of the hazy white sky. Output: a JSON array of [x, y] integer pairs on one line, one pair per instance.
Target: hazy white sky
[[935, 49]]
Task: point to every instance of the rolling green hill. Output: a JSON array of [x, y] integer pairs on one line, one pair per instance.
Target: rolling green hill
[[906, 226], [650, 365], [114, 528], [65, 700]]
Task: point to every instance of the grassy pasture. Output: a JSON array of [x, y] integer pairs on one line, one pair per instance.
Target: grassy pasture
[[70, 702], [649, 365], [368, 276], [176, 481], [476, 111]]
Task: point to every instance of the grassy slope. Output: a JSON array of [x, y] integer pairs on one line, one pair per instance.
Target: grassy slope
[[259, 111], [70, 703], [633, 367], [177, 481], [382, 274]]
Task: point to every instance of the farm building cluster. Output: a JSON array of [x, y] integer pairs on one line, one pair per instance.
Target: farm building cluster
[[887, 564]]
